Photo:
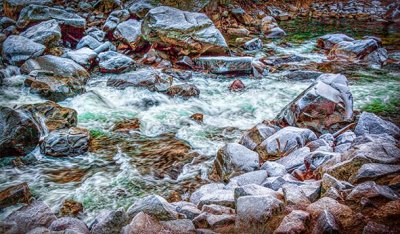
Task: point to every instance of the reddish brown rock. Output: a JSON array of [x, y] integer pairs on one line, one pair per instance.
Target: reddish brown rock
[[198, 117], [71, 208], [15, 194], [127, 125], [237, 85]]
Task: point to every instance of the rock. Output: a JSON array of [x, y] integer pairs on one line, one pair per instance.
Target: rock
[[318, 158], [222, 64], [54, 88], [369, 123], [186, 208], [237, 85], [47, 33], [12, 8], [254, 44], [19, 134], [311, 189], [388, 213], [255, 190], [96, 34], [114, 19], [235, 159], [68, 224], [241, 16], [217, 210], [276, 183], [345, 138], [63, 67], [285, 141], [207, 220], [197, 117], [129, 32], [140, 9], [183, 90], [326, 223], [326, 106], [237, 32], [270, 28], [203, 190], [253, 212], [329, 181], [17, 49], [276, 32], [257, 134], [71, 208], [84, 57], [144, 223], [37, 214], [179, 226], [113, 62], [254, 177], [155, 206], [15, 194], [303, 75], [295, 197], [140, 78], [328, 41], [193, 32], [220, 197], [370, 190], [373, 227], [296, 221], [88, 41], [374, 171], [126, 125], [273, 168], [109, 222], [294, 159]]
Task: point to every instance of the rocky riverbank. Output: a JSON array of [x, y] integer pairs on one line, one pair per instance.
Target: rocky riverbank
[[138, 117]]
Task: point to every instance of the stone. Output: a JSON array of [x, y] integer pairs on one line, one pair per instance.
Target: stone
[[207, 220], [296, 221], [369, 123], [254, 177], [155, 206], [223, 64], [328, 41], [71, 208], [12, 8], [183, 90], [47, 33], [12, 195], [140, 78], [346, 137], [217, 209], [294, 159], [295, 197], [113, 62], [303, 75], [179, 226], [66, 142], [198, 117], [83, 56], [187, 208], [254, 211], [276, 32], [37, 214], [63, 67], [193, 32], [17, 49], [274, 168], [109, 222], [129, 32], [312, 190], [255, 190], [126, 125], [276, 183], [237, 32], [370, 190], [253, 137], [140, 9], [285, 141], [222, 197], [114, 19], [373, 227], [326, 223], [318, 158], [96, 33], [342, 148], [326, 106], [374, 171], [254, 44], [19, 135], [144, 223], [329, 181], [203, 190], [237, 85], [234, 159], [88, 41], [68, 224]]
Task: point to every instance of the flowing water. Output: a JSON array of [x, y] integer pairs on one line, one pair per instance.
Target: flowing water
[[126, 167]]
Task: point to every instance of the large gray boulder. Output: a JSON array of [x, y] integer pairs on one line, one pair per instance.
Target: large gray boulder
[[113, 62], [369, 123], [155, 206], [144, 223], [129, 32], [203, 190], [254, 136], [234, 159], [69, 224], [19, 135], [109, 222], [83, 56], [325, 106], [328, 41], [192, 32], [46, 33], [295, 159], [224, 64], [17, 49], [295, 222], [141, 78], [12, 8]]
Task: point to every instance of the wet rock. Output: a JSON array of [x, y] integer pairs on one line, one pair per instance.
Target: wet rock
[[113, 62], [273, 168], [241, 16], [285, 141], [276, 32], [193, 32], [296, 221], [140, 78], [370, 190], [19, 135], [276, 183], [17, 49], [66, 142], [187, 208], [253, 212], [198, 117], [237, 85], [295, 197], [374, 171], [129, 32], [12, 8], [63, 67], [319, 144], [15, 194], [325, 106], [144, 223], [68, 224], [222, 197], [84, 57], [369, 123], [179, 226], [326, 223], [312, 189], [329, 181], [254, 177], [254, 44], [345, 138], [88, 41], [222, 64], [126, 125], [47, 33], [109, 222], [183, 90], [71, 208], [328, 41], [255, 190], [270, 28], [207, 220], [52, 87], [140, 9], [294, 159], [203, 190], [155, 206], [257, 134], [235, 159], [237, 32], [37, 214], [96, 34], [217, 209]]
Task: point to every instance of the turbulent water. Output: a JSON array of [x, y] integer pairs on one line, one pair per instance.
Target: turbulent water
[[111, 179]]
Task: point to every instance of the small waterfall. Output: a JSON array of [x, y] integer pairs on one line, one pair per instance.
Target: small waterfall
[[9, 72]]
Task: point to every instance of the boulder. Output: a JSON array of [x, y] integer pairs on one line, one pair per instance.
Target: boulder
[[37, 214], [327, 223], [329, 181], [222, 197], [144, 223], [297, 221], [19, 135], [114, 19], [71, 208], [12, 195], [326, 106], [183, 90], [12, 8], [373, 227], [84, 57], [328, 41], [254, 177], [235, 159], [63, 67], [253, 137], [203, 190], [109, 222], [193, 32], [141, 8], [223, 64], [345, 138], [270, 28], [140, 78], [294, 159], [217, 209], [371, 190], [255, 190], [184, 226], [129, 32], [369, 123], [374, 171], [254, 44], [213, 221], [66, 142], [113, 62], [273, 168], [155, 206], [96, 33], [47, 33], [276, 183], [88, 41], [68, 224], [303, 75], [186, 208], [285, 141], [17, 49], [295, 197]]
